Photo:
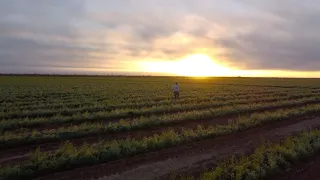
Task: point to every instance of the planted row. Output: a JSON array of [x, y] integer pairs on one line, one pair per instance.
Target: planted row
[[69, 157], [122, 113], [267, 160], [96, 96], [125, 113], [9, 139], [139, 102], [98, 106]]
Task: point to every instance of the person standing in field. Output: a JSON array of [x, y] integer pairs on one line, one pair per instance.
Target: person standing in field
[[176, 91]]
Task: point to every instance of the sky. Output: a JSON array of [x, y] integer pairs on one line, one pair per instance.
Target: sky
[[184, 37]]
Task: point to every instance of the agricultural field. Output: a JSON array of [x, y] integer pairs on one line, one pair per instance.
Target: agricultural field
[[108, 128]]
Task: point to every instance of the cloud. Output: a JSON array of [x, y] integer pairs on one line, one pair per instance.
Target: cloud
[[112, 36], [289, 43], [31, 33]]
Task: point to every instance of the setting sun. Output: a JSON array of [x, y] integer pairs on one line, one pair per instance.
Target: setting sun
[[199, 65]]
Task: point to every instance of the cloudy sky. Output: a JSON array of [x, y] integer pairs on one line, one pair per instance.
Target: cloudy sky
[[267, 37]]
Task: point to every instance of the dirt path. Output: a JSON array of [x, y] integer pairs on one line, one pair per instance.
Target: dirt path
[[190, 157]]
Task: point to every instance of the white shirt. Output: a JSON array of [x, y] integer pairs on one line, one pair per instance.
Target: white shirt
[[176, 88]]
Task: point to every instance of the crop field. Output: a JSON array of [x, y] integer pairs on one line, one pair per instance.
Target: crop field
[[114, 128]]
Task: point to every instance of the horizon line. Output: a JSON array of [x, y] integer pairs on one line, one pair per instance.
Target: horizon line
[[127, 75]]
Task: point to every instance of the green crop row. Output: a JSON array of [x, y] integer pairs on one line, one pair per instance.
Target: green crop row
[[267, 160], [60, 105], [46, 104], [69, 157], [100, 96], [125, 113], [9, 139], [96, 107], [63, 97], [122, 113], [56, 94]]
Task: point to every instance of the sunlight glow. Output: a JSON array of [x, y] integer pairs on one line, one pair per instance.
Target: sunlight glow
[[198, 65], [201, 65]]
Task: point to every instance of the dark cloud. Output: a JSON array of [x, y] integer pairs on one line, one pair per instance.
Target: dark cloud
[[291, 44], [253, 34], [30, 32]]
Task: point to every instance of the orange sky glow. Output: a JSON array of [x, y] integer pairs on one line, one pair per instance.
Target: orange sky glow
[[201, 65]]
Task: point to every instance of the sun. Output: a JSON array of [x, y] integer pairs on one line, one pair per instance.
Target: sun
[[199, 65], [196, 65]]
